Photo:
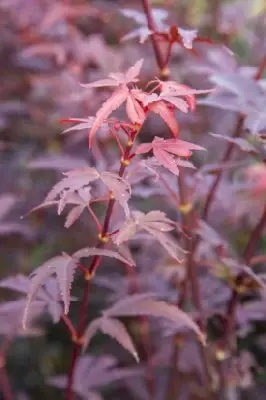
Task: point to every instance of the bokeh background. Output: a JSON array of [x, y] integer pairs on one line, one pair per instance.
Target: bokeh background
[[47, 47]]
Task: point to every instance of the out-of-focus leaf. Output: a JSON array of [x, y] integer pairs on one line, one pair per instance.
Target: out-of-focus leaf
[[156, 308]]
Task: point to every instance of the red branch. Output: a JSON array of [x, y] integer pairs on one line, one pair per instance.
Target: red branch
[[189, 222], [90, 273]]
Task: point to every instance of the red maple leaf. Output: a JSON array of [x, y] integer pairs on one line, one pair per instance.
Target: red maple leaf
[[165, 150]]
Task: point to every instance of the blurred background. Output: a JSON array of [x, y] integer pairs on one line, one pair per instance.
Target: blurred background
[[47, 47]]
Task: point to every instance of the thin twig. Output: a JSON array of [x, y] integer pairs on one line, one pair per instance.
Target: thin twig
[[164, 72], [227, 155], [230, 148]]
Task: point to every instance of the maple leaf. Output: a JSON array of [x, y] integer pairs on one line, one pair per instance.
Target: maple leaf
[[64, 266], [134, 110], [137, 305], [91, 251], [118, 97], [118, 79], [119, 187], [84, 123], [112, 327], [143, 32], [46, 298], [171, 90], [166, 113], [80, 199], [75, 190], [165, 150], [75, 180], [61, 12], [113, 103], [241, 142], [156, 224]]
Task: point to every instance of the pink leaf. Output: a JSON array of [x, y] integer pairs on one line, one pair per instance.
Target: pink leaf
[[117, 78], [101, 83], [126, 232], [75, 180], [114, 102], [134, 110], [181, 104], [156, 224], [164, 151], [166, 114], [134, 71], [119, 187], [65, 275], [166, 160], [188, 37], [73, 215], [144, 148]]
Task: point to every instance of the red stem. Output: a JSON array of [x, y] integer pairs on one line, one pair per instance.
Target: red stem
[[144, 334], [90, 273], [248, 253], [156, 47], [255, 237], [230, 148], [188, 218], [226, 157], [69, 325]]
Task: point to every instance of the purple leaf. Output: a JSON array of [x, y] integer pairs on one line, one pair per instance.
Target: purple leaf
[[156, 224], [120, 188], [115, 329], [57, 162], [242, 143], [156, 308], [90, 251], [64, 267], [75, 180]]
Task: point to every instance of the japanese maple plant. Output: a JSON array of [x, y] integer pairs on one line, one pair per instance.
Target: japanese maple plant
[[177, 350]]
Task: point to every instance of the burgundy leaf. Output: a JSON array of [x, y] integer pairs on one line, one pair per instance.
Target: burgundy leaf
[[156, 308], [114, 102], [64, 267], [119, 187], [75, 180], [242, 143], [115, 329], [90, 251]]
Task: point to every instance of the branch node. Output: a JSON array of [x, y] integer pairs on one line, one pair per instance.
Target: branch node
[[124, 162], [103, 238], [185, 208]]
